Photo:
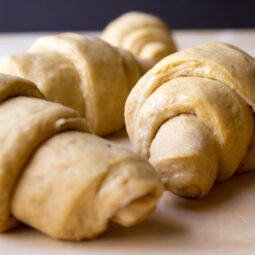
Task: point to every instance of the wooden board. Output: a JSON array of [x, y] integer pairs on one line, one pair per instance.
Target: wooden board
[[221, 223]]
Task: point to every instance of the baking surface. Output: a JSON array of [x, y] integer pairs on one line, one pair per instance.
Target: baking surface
[[221, 223]]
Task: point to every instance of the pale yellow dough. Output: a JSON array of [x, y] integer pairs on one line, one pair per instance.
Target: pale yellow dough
[[81, 72], [59, 179], [191, 115], [145, 35]]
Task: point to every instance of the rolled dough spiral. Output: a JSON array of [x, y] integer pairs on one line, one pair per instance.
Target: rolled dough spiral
[[191, 115], [81, 72], [59, 179], [145, 35]]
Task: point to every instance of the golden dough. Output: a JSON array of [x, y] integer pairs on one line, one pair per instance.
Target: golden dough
[[50, 175], [81, 72], [190, 116], [145, 35]]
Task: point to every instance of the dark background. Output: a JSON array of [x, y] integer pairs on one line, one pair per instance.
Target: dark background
[[60, 15]]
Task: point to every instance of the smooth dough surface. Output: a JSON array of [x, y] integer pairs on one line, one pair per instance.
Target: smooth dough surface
[[68, 193]]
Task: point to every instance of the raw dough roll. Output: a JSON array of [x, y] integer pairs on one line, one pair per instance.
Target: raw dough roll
[[192, 116], [145, 35], [50, 175], [81, 72]]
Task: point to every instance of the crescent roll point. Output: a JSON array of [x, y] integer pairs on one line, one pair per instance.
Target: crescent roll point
[[50, 175], [81, 72], [192, 116], [145, 35]]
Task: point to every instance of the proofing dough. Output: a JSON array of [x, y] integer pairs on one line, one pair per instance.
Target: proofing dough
[[81, 72], [192, 116], [145, 35], [60, 180]]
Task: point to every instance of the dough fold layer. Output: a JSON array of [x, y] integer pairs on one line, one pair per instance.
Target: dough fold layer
[[60, 180], [214, 83], [81, 72], [145, 35]]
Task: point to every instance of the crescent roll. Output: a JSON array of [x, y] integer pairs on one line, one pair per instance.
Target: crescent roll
[[192, 117], [145, 35], [81, 72], [60, 180]]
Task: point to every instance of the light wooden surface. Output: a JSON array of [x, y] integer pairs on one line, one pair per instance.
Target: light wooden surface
[[221, 223]]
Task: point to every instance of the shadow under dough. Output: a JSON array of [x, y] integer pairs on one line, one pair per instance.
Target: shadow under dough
[[221, 193], [154, 226]]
